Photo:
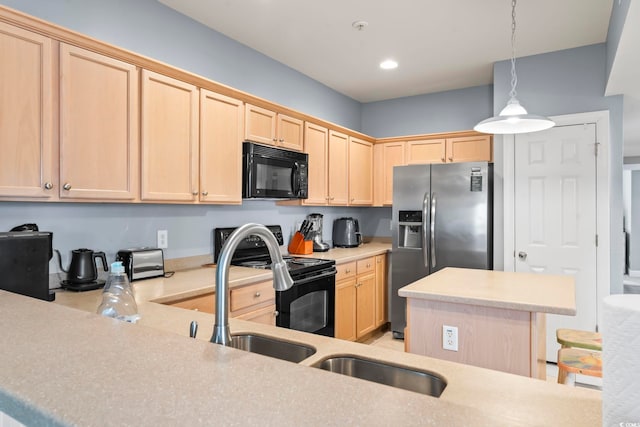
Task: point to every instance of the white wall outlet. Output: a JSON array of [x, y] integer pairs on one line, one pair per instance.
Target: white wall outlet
[[450, 338], [163, 239]]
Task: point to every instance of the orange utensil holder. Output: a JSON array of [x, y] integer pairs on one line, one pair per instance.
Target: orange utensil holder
[[299, 246]]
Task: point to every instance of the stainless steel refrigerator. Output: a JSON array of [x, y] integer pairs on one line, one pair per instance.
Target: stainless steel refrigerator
[[442, 216]]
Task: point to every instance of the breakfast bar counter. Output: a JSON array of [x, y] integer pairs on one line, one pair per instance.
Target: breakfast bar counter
[[499, 316]]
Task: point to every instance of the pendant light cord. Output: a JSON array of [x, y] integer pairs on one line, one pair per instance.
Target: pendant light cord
[[514, 77]]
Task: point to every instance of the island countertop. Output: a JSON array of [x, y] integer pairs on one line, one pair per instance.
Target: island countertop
[[499, 289]]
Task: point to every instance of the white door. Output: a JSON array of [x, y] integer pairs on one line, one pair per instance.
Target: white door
[[555, 216]]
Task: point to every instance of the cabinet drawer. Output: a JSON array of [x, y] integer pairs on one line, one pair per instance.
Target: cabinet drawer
[[366, 265], [247, 296], [345, 271]]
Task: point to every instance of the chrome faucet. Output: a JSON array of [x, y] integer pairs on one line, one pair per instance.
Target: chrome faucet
[[281, 278]]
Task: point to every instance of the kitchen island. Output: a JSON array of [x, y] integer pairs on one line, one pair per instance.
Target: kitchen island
[[499, 316], [63, 366]]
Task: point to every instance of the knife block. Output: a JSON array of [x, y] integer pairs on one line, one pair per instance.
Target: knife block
[[299, 246]]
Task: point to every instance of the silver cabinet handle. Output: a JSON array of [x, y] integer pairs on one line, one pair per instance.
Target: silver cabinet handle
[[195, 193], [275, 139], [276, 313], [205, 193], [66, 186], [48, 186], [281, 139], [257, 295], [522, 255]]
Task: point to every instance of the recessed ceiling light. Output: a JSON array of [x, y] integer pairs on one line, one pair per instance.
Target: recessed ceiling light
[[388, 64]]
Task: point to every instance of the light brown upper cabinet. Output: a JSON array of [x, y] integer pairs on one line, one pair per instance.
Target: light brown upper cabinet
[[450, 150], [268, 127], [221, 135], [169, 139], [316, 145], [99, 145], [360, 172], [26, 109], [391, 154], [338, 168]]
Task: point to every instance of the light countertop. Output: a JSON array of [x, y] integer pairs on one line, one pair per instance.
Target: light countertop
[[516, 291], [64, 366]]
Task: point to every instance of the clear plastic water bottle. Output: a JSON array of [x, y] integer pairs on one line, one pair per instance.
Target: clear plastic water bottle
[[118, 300]]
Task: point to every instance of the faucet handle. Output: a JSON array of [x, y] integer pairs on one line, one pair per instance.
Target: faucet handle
[[193, 329]]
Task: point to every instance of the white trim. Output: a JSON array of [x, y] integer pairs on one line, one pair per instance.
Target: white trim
[[603, 197], [634, 273]]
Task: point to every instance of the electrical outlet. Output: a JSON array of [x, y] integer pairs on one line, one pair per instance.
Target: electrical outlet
[[163, 239], [450, 338]]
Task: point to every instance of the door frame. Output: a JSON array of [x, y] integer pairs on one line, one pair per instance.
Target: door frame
[[603, 198]]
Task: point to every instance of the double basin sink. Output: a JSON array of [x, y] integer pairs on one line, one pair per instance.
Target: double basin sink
[[415, 380]]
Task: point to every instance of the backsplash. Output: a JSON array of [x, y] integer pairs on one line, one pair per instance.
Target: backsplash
[[109, 227]]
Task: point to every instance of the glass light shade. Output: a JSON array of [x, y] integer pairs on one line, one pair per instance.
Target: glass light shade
[[514, 119]]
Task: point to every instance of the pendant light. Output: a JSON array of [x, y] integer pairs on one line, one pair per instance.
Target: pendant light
[[514, 118]]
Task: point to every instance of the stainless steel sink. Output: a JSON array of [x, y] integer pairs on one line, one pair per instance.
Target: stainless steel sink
[[395, 376], [272, 347]]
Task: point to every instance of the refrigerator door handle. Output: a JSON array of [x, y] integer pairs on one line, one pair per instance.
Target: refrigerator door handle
[[433, 230], [425, 246]]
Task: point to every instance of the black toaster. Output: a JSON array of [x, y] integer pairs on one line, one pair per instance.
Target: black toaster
[[142, 263]]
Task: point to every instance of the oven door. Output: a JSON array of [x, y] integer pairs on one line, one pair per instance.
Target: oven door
[[271, 177], [309, 305]]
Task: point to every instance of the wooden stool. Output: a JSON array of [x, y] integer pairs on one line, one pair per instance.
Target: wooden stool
[[578, 361], [579, 339]]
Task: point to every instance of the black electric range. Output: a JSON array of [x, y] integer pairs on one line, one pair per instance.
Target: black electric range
[[253, 252], [309, 305]]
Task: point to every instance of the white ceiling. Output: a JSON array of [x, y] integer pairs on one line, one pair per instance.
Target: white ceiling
[[440, 45]]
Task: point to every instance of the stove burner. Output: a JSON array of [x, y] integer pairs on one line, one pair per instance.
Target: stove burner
[[255, 264], [306, 261]]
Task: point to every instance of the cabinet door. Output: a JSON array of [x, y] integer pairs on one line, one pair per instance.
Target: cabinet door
[[26, 135], [393, 154], [338, 168], [260, 125], [360, 172], [426, 151], [266, 315], [290, 132], [316, 145], [381, 290], [365, 304], [204, 303], [221, 135], [470, 149], [169, 139], [346, 310], [99, 142]]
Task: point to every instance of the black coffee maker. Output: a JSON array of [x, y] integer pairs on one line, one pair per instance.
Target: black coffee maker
[[24, 261]]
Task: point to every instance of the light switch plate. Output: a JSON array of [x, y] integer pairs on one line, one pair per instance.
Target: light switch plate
[[450, 338], [163, 239]]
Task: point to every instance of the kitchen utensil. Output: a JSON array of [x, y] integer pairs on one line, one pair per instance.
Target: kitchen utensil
[[346, 233], [315, 233], [142, 263], [82, 269]]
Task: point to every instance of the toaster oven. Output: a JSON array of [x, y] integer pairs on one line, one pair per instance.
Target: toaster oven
[[142, 263]]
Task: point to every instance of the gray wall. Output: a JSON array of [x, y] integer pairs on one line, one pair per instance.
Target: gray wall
[[616, 24], [149, 28], [431, 113], [566, 82], [634, 238], [109, 227]]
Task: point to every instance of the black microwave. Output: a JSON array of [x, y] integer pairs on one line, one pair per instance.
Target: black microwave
[[273, 173]]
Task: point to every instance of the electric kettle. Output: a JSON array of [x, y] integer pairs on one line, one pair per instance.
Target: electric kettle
[[83, 266]]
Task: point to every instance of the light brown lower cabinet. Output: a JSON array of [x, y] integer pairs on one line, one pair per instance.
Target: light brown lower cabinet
[[357, 299]]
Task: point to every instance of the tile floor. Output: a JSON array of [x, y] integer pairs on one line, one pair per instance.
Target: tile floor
[[386, 340]]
